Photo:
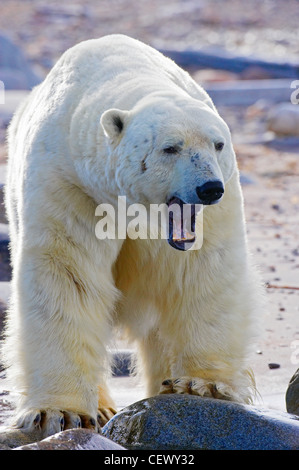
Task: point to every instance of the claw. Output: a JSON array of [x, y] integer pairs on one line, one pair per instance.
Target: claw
[[78, 423], [92, 422], [167, 382], [62, 423], [189, 386], [167, 386], [37, 420]]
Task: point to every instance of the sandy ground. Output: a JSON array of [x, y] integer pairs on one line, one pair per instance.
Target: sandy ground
[[272, 205]]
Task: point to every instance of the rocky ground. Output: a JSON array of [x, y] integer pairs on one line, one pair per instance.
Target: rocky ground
[[45, 29], [269, 165]]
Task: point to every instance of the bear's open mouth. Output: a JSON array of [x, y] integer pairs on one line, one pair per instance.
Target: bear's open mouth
[[182, 218]]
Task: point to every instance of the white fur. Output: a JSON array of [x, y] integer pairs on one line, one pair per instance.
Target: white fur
[[191, 312]]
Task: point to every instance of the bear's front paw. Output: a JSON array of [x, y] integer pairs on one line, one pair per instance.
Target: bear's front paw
[[200, 387], [50, 421], [105, 414]]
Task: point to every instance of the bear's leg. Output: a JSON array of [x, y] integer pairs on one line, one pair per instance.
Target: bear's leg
[[106, 406], [210, 376], [165, 371], [153, 362], [207, 355], [59, 325]]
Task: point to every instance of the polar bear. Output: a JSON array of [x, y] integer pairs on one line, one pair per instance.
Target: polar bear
[[114, 117]]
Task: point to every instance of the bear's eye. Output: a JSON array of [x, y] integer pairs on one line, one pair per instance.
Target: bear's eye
[[171, 149], [219, 146]]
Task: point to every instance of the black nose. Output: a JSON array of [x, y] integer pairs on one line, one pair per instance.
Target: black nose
[[210, 192]]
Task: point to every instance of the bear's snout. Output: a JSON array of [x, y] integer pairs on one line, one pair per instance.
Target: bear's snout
[[210, 192]]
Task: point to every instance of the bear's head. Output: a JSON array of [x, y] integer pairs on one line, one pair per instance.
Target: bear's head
[[170, 149]]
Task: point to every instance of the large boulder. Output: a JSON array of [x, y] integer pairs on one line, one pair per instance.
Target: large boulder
[[11, 438], [15, 71], [175, 422], [74, 439], [292, 395], [283, 119]]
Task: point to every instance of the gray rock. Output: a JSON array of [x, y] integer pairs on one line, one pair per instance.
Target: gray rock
[[12, 100], [11, 438], [15, 70], [176, 422], [5, 290], [285, 144], [122, 362], [248, 92], [292, 395], [246, 179], [74, 439], [5, 267], [283, 119]]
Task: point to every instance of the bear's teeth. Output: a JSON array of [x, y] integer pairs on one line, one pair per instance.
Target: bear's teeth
[[180, 231], [183, 235]]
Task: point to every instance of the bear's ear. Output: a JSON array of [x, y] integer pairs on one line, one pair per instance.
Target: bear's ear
[[113, 122]]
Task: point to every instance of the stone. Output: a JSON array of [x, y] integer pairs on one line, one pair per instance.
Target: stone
[[292, 395], [248, 92], [283, 119], [5, 266], [11, 438], [246, 179], [175, 422], [121, 362], [15, 71], [258, 109], [73, 439], [283, 143], [273, 365]]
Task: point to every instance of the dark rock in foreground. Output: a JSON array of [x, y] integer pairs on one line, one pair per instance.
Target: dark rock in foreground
[[292, 395], [176, 422], [11, 438], [74, 439]]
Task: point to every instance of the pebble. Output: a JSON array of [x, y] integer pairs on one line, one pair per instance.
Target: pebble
[[273, 365]]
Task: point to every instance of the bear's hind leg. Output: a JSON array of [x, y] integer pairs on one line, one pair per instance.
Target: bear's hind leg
[[62, 322], [106, 406], [153, 361]]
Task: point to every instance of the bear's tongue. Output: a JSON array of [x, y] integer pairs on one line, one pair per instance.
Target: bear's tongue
[[181, 224]]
